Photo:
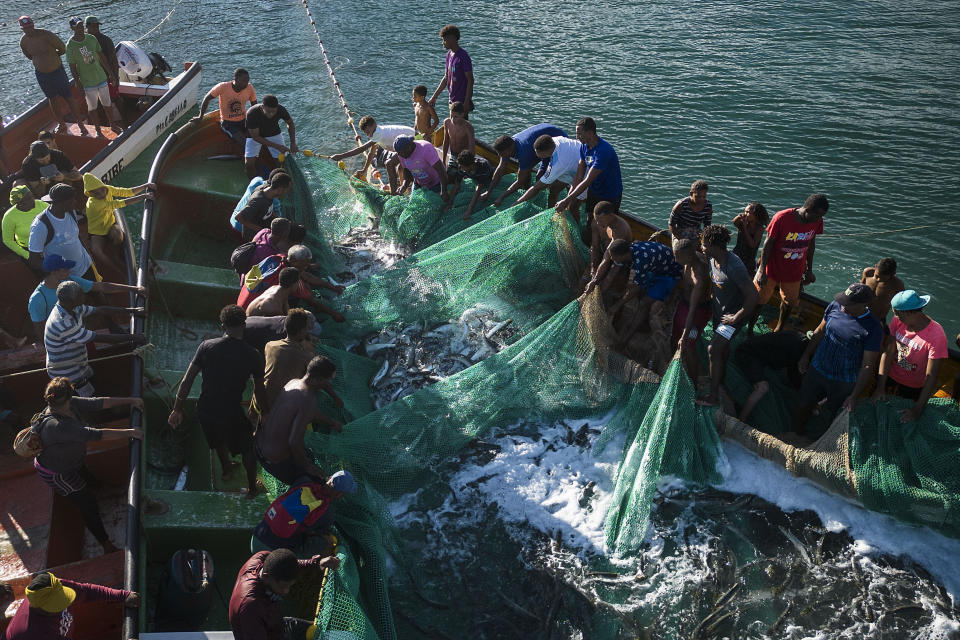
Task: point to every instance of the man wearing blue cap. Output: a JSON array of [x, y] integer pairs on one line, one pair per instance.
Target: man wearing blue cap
[[911, 362], [841, 358], [421, 159], [57, 270]]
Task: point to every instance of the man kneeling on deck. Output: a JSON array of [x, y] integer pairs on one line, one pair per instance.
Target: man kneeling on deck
[[263, 581], [306, 509], [280, 446], [911, 362], [734, 299], [227, 363], [842, 356]]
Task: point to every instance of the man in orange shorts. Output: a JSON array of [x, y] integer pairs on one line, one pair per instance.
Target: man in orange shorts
[[786, 260]]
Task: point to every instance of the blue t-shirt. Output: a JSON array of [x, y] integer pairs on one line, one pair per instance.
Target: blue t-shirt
[[525, 155], [608, 185], [840, 352], [44, 299]]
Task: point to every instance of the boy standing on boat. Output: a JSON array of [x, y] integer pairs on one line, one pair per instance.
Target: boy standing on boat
[[44, 48], [458, 135], [227, 363], [911, 362], [91, 71], [692, 213], [232, 98], [786, 260], [883, 279], [263, 130], [425, 118], [458, 75]]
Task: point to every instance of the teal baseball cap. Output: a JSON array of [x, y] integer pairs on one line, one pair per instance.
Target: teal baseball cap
[[909, 301]]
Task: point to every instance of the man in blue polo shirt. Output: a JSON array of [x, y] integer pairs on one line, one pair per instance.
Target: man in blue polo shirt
[[57, 270], [841, 358], [519, 146], [598, 173]]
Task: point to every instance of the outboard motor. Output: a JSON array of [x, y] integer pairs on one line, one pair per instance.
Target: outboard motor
[[159, 64], [187, 592], [134, 61]]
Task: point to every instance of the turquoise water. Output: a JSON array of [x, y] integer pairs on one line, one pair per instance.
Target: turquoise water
[[765, 102]]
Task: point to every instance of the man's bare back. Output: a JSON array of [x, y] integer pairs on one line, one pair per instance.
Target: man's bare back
[[293, 410], [883, 291], [603, 235], [460, 134], [272, 302], [44, 49]]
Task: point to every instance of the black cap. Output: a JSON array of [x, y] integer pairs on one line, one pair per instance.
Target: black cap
[[60, 193], [855, 294], [39, 149], [40, 581]]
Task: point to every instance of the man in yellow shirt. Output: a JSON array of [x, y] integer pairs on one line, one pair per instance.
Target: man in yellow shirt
[[105, 232], [18, 218]]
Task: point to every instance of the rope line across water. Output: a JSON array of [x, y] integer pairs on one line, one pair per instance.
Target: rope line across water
[[139, 351], [333, 77], [165, 18]]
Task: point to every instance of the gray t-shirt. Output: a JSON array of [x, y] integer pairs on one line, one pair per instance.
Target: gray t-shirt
[[728, 281], [65, 438]]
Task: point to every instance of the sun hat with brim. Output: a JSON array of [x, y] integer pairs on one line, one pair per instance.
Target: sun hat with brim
[[855, 294], [909, 301], [91, 183], [60, 193], [47, 593], [17, 193]]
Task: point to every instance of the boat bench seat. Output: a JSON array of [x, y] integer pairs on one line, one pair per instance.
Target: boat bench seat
[[193, 291], [209, 510]]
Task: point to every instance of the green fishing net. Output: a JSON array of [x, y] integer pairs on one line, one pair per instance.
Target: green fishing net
[[523, 264]]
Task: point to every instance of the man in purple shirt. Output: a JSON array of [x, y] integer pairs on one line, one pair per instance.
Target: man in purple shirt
[[458, 76]]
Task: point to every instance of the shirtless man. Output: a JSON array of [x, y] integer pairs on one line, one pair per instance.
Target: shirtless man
[[44, 48], [607, 226], [458, 135], [694, 309], [425, 115], [885, 284], [280, 446], [275, 301]]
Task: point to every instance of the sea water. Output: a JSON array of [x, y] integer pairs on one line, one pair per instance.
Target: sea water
[[766, 102]]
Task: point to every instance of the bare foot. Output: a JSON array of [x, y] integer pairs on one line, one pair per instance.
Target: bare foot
[[83, 130], [227, 470]]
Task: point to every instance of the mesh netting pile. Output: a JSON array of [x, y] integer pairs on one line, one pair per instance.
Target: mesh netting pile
[[523, 264]]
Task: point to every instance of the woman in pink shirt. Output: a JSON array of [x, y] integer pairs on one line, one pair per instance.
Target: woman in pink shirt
[[911, 362]]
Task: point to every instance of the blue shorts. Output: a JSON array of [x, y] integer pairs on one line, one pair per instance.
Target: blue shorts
[[54, 84], [660, 287]]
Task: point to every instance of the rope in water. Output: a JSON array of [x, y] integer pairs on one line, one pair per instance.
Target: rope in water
[[139, 351], [165, 18], [336, 84]]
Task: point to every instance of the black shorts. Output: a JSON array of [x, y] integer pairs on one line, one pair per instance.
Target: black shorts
[[227, 428], [55, 83], [816, 387], [894, 388]]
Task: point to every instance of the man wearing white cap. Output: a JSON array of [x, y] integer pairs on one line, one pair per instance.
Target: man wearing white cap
[[911, 362]]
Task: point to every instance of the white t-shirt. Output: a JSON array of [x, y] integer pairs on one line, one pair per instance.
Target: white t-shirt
[[66, 240], [564, 162], [385, 134]]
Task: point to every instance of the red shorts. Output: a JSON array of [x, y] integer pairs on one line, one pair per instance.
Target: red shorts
[[701, 316]]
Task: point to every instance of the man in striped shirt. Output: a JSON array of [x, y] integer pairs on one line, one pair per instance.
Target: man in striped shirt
[[65, 337], [692, 214]]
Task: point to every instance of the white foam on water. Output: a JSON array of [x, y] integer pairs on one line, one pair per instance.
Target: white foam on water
[[543, 482], [872, 532]]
